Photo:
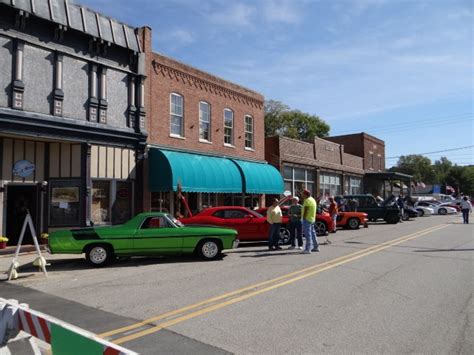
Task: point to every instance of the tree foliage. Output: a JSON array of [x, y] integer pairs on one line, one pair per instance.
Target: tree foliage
[[281, 121], [443, 172]]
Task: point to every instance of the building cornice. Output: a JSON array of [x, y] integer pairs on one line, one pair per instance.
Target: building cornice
[[204, 84]]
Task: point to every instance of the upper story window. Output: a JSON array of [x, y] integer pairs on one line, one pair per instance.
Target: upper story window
[[228, 127], [204, 121], [176, 115], [249, 132]]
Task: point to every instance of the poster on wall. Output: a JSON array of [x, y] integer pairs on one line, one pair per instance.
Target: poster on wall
[[64, 195]]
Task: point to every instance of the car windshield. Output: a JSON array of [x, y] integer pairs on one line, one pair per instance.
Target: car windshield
[[176, 222]]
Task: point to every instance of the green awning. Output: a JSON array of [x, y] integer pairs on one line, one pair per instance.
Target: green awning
[[195, 172], [260, 178]]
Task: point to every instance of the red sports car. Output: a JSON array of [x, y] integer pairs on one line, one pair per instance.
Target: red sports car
[[250, 225]]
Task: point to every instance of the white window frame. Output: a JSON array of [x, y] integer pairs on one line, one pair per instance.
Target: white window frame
[[201, 121], [231, 144], [250, 133], [172, 134]]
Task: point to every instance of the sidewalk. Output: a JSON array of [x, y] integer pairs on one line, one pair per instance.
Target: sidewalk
[[24, 249]]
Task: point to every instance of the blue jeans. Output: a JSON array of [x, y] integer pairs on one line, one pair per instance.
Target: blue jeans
[[296, 232], [274, 234], [465, 215], [310, 236]]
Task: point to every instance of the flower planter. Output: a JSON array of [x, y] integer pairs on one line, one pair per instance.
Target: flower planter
[[3, 245]]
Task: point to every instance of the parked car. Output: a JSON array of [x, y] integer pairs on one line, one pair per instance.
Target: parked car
[[323, 224], [352, 220], [424, 211], [145, 234], [437, 208], [386, 210], [250, 225], [409, 212]]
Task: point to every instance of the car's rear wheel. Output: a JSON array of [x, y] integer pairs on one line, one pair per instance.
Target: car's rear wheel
[[321, 228], [353, 223], [406, 216], [209, 249], [421, 213], [99, 255], [442, 211], [284, 235]]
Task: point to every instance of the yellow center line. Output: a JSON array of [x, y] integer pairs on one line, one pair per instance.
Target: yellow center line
[[298, 275]]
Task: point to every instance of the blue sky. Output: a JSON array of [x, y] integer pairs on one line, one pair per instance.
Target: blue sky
[[401, 70]]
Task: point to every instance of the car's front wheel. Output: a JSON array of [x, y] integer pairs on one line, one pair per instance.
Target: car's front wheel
[[442, 211], [99, 255], [321, 228], [353, 223], [209, 249], [392, 218], [421, 213]]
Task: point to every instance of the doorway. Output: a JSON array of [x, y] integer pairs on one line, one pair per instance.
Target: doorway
[[20, 199]]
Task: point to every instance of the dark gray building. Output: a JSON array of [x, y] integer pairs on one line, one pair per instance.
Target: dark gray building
[[72, 117]]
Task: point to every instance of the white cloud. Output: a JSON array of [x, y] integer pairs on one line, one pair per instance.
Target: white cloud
[[238, 14], [283, 11]]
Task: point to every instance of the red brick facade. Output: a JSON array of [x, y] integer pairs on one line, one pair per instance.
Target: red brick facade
[[366, 146], [167, 76]]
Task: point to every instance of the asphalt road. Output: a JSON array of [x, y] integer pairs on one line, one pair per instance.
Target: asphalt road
[[403, 288]]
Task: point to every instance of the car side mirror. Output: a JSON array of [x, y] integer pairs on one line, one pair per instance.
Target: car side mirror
[[249, 216]]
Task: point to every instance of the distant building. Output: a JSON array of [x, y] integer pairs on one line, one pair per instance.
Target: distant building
[[364, 145], [321, 166], [72, 118]]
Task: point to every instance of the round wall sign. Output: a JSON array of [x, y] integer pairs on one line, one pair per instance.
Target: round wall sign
[[23, 168]]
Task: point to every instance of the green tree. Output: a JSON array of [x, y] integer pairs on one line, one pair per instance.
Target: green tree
[[418, 166], [462, 179], [281, 121], [442, 168]]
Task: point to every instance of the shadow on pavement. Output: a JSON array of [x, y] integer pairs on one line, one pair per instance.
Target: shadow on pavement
[[81, 264]]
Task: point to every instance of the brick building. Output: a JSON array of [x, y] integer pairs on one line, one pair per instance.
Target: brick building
[[206, 136], [365, 146], [72, 129], [321, 166]]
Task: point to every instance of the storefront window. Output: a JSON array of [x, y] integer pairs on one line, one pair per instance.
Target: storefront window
[[298, 179], [122, 206], [329, 184], [65, 203], [100, 202]]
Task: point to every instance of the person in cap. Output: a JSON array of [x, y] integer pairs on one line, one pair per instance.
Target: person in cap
[[309, 218], [295, 225], [274, 217]]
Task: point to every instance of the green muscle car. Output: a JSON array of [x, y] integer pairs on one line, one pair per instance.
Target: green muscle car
[[146, 234]]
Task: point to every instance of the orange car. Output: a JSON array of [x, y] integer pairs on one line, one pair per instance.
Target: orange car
[[352, 220]]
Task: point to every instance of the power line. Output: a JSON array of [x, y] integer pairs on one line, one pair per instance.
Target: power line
[[439, 151], [441, 119]]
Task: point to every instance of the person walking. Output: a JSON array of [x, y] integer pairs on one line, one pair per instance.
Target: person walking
[[309, 217], [296, 226], [466, 208], [401, 206], [333, 211], [274, 217]]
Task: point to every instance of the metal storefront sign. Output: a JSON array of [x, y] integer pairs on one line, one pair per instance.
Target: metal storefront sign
[[23, 168]]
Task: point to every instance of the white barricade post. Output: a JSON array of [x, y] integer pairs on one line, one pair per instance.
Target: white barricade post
[[40, 261], [63, 337]]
